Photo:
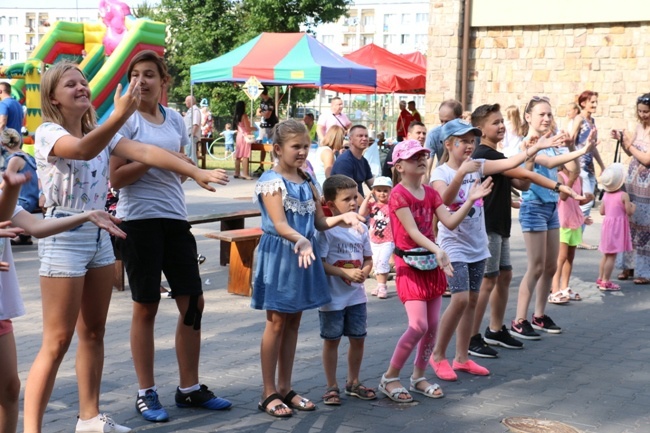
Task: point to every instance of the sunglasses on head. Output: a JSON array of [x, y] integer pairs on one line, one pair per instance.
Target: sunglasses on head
[[536, 99], [645, 100]]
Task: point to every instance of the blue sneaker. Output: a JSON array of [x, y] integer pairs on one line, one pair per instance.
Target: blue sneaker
[[150, 408], [202, 397]]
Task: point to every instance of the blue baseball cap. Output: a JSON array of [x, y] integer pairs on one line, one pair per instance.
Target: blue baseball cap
[[458, 127]]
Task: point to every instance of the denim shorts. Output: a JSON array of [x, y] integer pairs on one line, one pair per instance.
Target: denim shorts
[[467, 276], [536, 216], [70, 254], [351, 322], [499, 260], [230, 147]]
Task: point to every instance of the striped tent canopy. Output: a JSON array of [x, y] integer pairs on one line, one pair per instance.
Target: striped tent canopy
[[283, 59]]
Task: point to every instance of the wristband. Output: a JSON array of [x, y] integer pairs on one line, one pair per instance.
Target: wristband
[[557, 187]]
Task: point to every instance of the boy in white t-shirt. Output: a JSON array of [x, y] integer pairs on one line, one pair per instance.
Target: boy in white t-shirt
[[347, 259]]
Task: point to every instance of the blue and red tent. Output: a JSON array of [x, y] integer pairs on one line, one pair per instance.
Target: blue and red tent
[[282, 59]]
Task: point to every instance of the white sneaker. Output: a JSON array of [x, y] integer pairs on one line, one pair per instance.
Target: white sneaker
[[100, 424]]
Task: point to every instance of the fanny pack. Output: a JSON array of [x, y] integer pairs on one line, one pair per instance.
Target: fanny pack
[[418, 258]]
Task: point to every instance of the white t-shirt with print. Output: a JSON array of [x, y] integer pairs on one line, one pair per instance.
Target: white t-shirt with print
[[71, 183], [344, 247], [467, 243], [11, 304]]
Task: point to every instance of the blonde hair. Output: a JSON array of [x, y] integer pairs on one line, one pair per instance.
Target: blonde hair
[[51, 112], [10, 138], [514, 117], [334, 138]]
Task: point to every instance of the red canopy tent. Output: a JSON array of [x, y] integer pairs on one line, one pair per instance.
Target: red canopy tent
[[416, 57], [394, 73]]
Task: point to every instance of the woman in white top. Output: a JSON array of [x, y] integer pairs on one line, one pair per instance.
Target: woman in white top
[[323, 159], [72, 155]]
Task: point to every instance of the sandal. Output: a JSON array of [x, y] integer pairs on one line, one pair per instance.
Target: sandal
[[332, 396], [558, 298], [573, 296], [394, 393], [360, 391], [626, 274], [305, 404], [641, 281], [430, 390], [608, 286], [273, 411]]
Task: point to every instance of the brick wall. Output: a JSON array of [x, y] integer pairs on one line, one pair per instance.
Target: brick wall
[[508, 65]]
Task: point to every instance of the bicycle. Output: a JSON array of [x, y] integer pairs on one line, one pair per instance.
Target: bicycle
[[216, 150]]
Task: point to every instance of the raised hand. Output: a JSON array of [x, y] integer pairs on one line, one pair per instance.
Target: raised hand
[[469, 166], [305, 252], [591, 140], [205, 177], [126, 104], [480, 190], [106, 221]]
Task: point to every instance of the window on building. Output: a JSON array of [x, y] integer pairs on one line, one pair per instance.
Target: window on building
[[421, 40], [13, 39], [13, 55], [367, 39], [328, 40], [2, 38], [368, 20], [389, 40], [3, 21], [406, 19], [13, 21], [72, 19], [405, 39], [57, 19], [422, 18], [390, 20]]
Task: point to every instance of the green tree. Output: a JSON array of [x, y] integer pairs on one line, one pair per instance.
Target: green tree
[[202, 30], [144, 10]]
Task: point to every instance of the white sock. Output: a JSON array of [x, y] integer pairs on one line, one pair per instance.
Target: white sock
[[492, 330], [190, 389], [142, 392], [88, 421]]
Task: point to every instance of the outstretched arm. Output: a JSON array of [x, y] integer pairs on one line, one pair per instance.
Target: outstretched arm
[[451, 221], [88, 147], [157, 157], [41, 228]]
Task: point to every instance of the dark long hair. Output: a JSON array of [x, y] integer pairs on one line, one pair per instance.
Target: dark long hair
[[240, 110]]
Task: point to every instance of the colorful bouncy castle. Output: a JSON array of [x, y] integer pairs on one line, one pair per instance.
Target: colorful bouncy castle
[[102, 49]]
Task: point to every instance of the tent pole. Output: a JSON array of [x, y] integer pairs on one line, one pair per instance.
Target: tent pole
[[377, 129], [288, 100], [320, 99]]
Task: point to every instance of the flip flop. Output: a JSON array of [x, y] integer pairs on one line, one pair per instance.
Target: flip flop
[[626, 274], [587, 247], [641, 281]]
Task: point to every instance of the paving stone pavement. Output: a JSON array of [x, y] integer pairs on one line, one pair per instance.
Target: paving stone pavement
[[595, 376]]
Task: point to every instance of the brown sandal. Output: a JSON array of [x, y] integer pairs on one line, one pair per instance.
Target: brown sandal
[[626, 274], [332, 396]]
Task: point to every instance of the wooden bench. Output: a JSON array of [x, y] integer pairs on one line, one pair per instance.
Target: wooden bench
[[259, 147], [229, 221], [243, 242]]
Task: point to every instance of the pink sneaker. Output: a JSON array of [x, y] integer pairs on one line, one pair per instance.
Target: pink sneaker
[[471, 367], [443, 370], [374, 291], [382, 293], [608, 286]]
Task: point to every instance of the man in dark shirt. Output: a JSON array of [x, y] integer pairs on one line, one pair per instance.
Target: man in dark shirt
[[269, 120], [352, 163]]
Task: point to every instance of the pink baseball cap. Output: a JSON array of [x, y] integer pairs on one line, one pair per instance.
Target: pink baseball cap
[[406, 149]]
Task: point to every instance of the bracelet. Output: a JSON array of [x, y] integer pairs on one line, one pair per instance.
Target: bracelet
[[557, 187]]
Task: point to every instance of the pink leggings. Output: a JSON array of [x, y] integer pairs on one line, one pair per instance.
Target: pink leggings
[[423, 323]]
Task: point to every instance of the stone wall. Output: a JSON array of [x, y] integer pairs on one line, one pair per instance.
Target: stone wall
[[508, 65]]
